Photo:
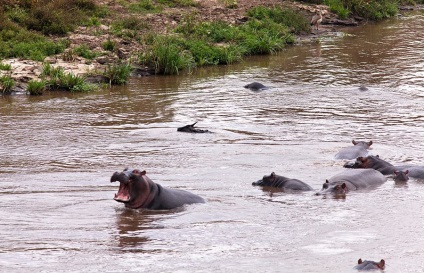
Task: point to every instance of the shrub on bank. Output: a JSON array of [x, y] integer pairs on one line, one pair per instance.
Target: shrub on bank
[[214, 43], [6, 84], [36, 88], [56, 78], [118, 74]]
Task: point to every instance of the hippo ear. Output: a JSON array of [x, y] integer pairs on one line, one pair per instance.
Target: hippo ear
[[381, 264], [359, 261], [377, 156], [370, 143], [143, 173], [272, 174], [407, 171], [354, 142]]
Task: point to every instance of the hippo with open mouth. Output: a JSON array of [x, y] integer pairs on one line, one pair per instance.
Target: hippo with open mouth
[[136, 191]]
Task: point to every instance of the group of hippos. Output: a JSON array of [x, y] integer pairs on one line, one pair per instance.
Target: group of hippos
[[136, 190]]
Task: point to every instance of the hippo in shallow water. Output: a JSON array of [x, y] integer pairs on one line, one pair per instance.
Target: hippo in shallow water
[[136, 190], [401, 176], [359, 148], [350, 180], [190, 129], [283, 183], [256, 86], [370, 265], [376, 163]]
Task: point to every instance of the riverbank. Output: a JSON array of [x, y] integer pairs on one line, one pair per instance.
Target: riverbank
[[92, 50]]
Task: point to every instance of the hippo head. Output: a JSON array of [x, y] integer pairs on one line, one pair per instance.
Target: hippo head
[[370, 265], [267, 180], [338, 189], [135, 188], [363, 143], [363, 162], [401, 176]]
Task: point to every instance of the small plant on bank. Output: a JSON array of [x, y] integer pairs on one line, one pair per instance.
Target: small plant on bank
[[179, 3], [145, 6], [338, 7], [230, 4], [6, 84], [118, 74], [85, 52], [287, 17], [168, 56], [36, 88], [7, 67], [55, 78], [109, 45]]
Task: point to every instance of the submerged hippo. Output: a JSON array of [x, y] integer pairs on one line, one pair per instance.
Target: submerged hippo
[[136, 190], [255, 86], [401, 176], [376, 163], [190, 129], [363, 88], [282, 182], [359, 148], [370, 265], [351, 180]]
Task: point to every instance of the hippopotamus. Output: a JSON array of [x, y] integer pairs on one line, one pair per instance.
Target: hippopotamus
[[359, 148], [350, 180], [401, 176], [136, 191], [190, 129], [283, 183], [370, 265], [256, 86], [376, 163], [363, 88]]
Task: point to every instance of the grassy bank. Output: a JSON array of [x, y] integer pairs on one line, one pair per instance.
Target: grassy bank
[[39, 28]]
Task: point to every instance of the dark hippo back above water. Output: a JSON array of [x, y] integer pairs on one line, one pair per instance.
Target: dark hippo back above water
[[256, 86], [359, 148], [283, 183], [350, 180], [370, 265], [376, 163]]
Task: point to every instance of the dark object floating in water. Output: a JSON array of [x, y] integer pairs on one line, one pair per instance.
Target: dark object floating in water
[[255, 86], [190, 129], [363, 88]]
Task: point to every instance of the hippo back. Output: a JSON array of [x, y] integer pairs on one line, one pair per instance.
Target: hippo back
[[167, 198], [360, 178], [360, 148], [281, 182]]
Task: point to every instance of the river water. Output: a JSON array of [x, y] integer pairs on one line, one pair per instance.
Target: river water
[[58, 152]]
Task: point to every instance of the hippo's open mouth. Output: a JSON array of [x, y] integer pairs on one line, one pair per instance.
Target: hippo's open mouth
[[123, 194]]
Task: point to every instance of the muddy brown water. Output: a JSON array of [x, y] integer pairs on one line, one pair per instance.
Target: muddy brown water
[[58, 152]]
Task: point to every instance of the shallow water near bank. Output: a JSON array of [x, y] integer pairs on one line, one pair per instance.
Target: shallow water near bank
[[58, 152]]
